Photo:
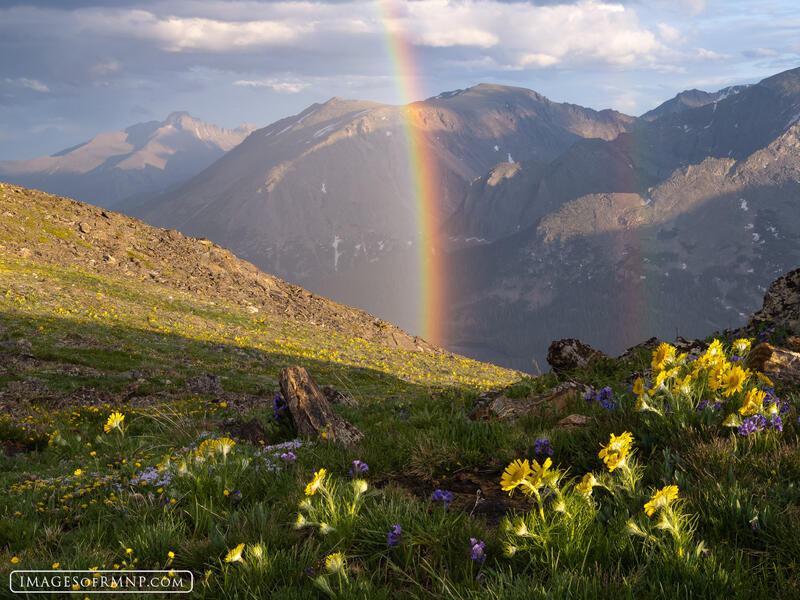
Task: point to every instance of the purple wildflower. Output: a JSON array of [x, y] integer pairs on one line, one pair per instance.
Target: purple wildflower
[[747, 428], [235, 497], [776, 423], [477, 553], [288, 458], [442, 496], [278, 406], [394, 536], [358, 468], [542, 446]]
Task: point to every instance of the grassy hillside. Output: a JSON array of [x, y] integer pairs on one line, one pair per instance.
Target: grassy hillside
[[193, 478]]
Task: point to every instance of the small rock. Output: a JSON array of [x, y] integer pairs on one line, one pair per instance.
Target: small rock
[[501, 407], [571, 353], [207, 384], [83, 227], [109, 259], [573, 422], [252, 310]]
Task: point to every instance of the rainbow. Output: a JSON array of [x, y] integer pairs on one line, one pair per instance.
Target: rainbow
[[424, 180]]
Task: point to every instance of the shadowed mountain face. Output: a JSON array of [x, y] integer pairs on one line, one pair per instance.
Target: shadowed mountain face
[[124, 168], [641, 255], [324, 197]]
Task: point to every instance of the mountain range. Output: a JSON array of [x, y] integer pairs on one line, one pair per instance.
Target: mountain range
[[555, 220], [123, 168]]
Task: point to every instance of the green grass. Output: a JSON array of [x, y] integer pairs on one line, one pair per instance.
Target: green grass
[[101, 345]]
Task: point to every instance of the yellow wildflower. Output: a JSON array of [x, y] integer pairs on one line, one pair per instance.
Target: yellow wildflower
[[14, 560], [334, 562], [741, 346], [586, 484], [114, 421], [765, 380], [314, 485], [514, 475], [663, 356], [733, 380], [661, 499], [752, 402], [235, 555], [617, 450], [638, 386]]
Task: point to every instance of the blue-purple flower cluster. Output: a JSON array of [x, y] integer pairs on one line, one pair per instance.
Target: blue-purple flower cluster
[[394, 536], [759, 422], [605, 397], [359, 468], [704, 404], [279, 406], [783, 405], [442, 496], [542, 447], [477, 552]]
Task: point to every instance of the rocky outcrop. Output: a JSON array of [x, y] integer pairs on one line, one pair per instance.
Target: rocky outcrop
[[781, 304], [779, 364], [570, 353], [311, 412], [495, 405]]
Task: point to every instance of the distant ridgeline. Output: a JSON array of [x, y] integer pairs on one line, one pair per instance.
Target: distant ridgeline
[[550, 221]]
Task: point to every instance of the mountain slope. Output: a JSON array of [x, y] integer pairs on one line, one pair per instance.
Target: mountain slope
[[123, 168], [695, 252], [323, 197], [690, 99], [734, 125]]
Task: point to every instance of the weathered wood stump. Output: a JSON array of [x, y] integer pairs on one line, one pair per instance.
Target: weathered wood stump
[[779, 364], [311, 412]]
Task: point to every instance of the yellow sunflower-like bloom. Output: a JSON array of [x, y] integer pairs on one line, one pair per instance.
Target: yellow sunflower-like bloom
[[586, 484], [114, 421], [514, 475], [663, 356], [715, 349], [765, 380], [223, 445], [334, 562], [235, 555], [617, 450], [741, 346], [539, 473], [638, 386], [314, 485], [661, 499], [752, 402], [733, 381]]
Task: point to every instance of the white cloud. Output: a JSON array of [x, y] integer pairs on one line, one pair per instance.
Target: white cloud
[[177, 34], [531, 35], [761, 52], [703, 53], [538, 59], [285, 87], [31, 84], [102, 69], [695, 6], [668, 33]]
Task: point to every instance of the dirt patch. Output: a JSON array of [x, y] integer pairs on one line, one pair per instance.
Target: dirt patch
[[476, 492]]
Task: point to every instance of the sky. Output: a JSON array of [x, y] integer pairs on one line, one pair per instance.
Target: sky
[[72, 69]]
